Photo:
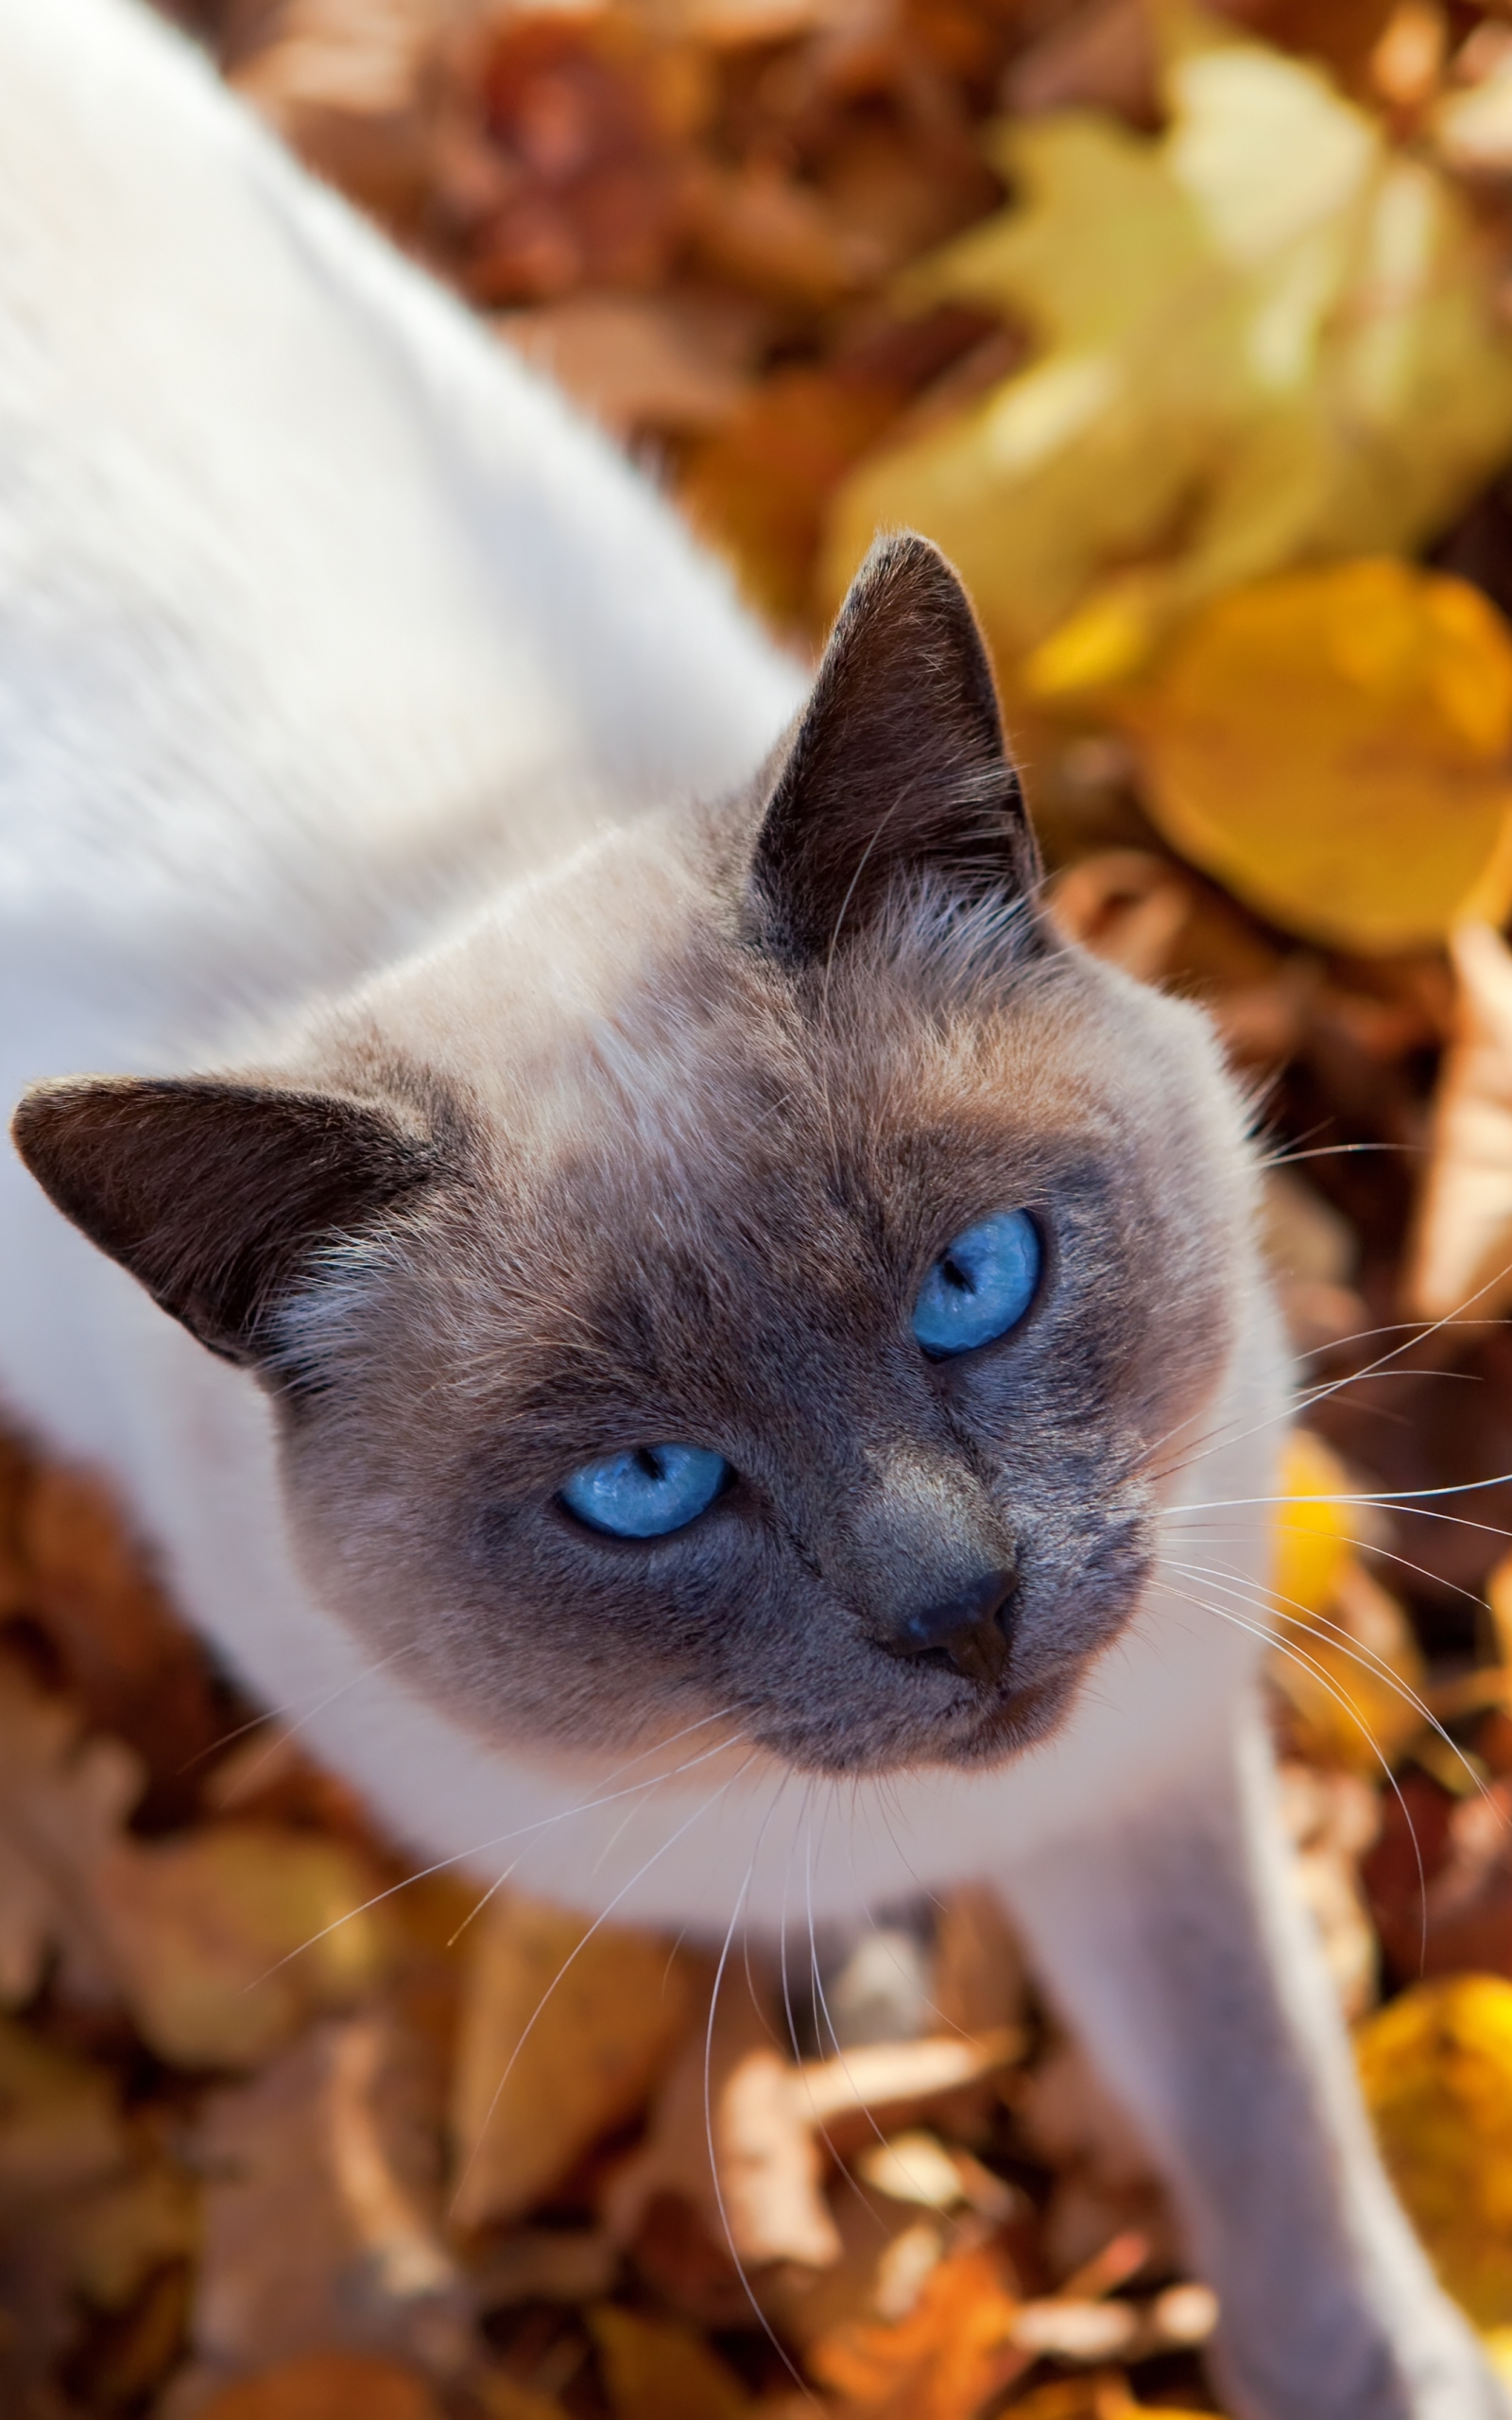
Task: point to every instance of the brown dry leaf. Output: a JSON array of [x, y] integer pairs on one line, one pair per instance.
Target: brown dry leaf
[[565, 2027], [327, 2386], [563, 163], [1460, 1261], [1101, 54], [1456, 1914], [635, 362], [224, 1940], [1106, 2187], [656, 2370], [729, 2086], [91, 2213], [1372, 812], [323, 2204], [941, 2360], [1312, 1255], [1127, 905], [771, 2118], [125, 1658], [504, 2398], [546, 2265], [62, 1800], [757, 491], [1436, 2067], [343, 81], [1333, 1819]]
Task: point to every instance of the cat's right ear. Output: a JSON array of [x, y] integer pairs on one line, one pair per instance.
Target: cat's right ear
[[216, 1196], [897, 770]]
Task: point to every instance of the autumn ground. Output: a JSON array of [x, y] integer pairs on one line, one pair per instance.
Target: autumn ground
[[1193, 344]]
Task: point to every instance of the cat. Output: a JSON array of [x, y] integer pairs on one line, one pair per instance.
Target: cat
[[738, 1372]]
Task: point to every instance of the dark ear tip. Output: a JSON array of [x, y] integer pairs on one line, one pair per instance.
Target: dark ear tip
[[40, 1110], [905, 558]]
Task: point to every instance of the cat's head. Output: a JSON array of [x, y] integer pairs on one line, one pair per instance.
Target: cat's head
[[756, 1269]]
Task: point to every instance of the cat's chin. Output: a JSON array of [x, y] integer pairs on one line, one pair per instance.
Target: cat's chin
[[1007, 1727]]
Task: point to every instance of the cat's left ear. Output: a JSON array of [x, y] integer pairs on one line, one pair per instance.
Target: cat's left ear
[[896, 769]]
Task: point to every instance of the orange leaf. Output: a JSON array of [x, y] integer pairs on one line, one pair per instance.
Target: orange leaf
[[327, 2386], [940, 2361]]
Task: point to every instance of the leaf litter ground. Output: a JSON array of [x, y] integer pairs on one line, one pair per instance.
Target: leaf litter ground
[[1189, 336]]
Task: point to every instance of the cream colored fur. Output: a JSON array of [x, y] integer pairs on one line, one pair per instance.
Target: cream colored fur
[[319, 614]]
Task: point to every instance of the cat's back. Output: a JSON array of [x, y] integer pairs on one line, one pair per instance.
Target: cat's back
[[304, 584]]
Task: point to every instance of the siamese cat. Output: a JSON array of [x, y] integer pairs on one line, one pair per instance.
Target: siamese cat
[[637, 1288]]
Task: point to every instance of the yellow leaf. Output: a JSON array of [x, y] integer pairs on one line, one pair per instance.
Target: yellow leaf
[[1237, 372], [565, 2028], [226, 1940], [656, 2370], [1436, 2067], [1345, 1657], [1332, 745], [1314, 1526]]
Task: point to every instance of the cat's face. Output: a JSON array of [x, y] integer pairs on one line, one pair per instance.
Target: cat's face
[[765, 1278]]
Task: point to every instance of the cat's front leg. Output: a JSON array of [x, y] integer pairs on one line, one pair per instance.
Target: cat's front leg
[[1175, 1946]]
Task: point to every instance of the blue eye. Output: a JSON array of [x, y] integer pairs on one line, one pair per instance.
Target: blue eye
[[981, 1287], [649, 1492]]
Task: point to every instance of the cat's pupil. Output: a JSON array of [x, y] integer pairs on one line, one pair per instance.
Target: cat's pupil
[[955, 1275], [649, 1463]]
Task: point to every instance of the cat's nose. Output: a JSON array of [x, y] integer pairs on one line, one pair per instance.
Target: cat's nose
[[968, 1631]]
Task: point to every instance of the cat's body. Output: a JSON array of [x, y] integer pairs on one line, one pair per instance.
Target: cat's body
[[327, 637]]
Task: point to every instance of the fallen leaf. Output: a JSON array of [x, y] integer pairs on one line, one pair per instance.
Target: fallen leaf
[[1070, 2329], [1332, 1819], [326, 2386], [91, 2211], [323, 2205], [655, 2371], [913, 2168], [940, 2360], [1101, 54], [757, 491], [1234, 374], [125, 1659], [1105, 2189], [1353, 1675], [564, 2030], [343, 81], [879, 2075], [636, 362], [1372, 812], [1127, 905], [561, 164], [1471, 125], [62, 1797], [1316, 1523], [549, 2265], [1460, 1261], [225, 1941], [1437, 2069]]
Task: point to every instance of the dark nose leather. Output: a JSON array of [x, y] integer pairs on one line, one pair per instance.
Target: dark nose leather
[[966, 1632]]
